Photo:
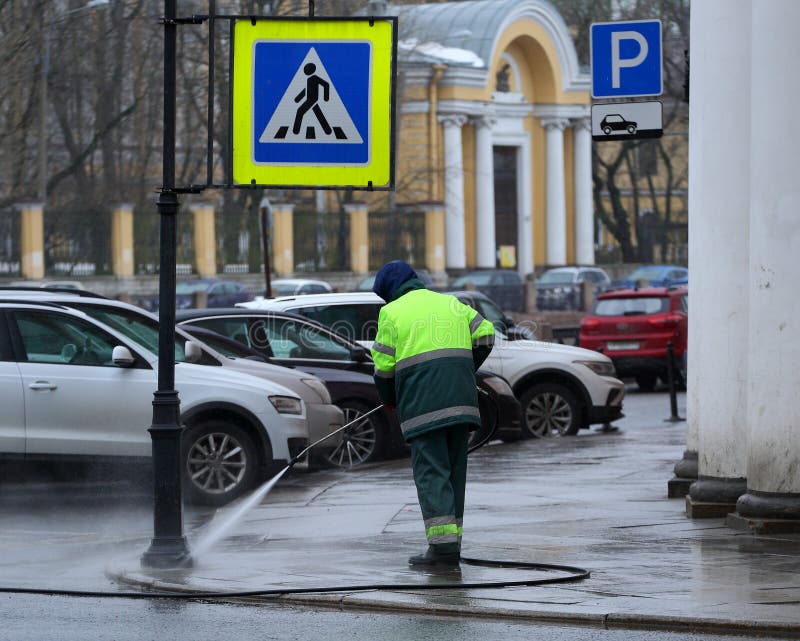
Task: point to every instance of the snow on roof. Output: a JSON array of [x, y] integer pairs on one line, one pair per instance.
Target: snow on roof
[[453, 55]]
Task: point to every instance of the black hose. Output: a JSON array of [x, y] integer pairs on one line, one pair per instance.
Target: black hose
[[495, 424], [572, 574]]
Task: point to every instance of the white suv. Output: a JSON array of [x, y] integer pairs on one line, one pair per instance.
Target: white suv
[[561, 388], [71, 386]]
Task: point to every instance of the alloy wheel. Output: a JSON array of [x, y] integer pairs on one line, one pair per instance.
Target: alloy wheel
[[356, 444], [217, 463], [548, 414]]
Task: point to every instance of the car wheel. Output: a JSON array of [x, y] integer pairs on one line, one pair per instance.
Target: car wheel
[[606, 130], [631, 129], [362, 443], [220, 463], [550, 409], [646, 382]]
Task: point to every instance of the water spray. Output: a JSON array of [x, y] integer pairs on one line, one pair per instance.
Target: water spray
[[243, 506]]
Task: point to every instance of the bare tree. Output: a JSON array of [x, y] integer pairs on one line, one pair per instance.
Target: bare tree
[[622, 185]]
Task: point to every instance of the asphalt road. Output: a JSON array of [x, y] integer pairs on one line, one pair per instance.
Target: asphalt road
[[43, 618]]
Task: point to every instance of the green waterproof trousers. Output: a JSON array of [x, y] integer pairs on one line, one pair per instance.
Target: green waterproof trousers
[[439, 463]]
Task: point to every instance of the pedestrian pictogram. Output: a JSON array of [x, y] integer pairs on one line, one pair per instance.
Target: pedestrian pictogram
[[313, 102], [311, 109]]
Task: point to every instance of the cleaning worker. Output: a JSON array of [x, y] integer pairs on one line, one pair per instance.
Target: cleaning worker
[[426, 352]]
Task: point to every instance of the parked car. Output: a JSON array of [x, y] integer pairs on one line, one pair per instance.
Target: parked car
[[633, 328], [218, 293], [346, 367], [560, 288], [292, 286], [491, 312], [653, 276], [323, 416], [50, 284], [561, 388], [365, 285], [73, 387], [503, 286]]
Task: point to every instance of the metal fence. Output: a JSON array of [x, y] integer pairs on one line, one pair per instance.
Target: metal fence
[[9, 242], [398, 234], [321, 241]]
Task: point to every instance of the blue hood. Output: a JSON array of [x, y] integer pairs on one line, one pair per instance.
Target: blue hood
[[390, 277]]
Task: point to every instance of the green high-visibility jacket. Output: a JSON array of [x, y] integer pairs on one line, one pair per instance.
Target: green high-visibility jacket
[[426, 351]]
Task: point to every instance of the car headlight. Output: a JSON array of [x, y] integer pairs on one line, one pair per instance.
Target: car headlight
[[287, 404], [602, 368], [498, 385], [319, 387]]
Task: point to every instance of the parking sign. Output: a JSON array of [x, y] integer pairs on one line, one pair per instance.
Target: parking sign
[[626, 59]]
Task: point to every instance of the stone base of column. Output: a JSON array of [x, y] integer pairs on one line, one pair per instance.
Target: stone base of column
[[714, 498], [766, 513], [685, 474]]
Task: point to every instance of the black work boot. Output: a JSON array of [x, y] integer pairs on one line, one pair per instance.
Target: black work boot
[[434, 557]]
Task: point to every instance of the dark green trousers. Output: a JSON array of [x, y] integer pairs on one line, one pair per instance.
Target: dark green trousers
[[439, 463]]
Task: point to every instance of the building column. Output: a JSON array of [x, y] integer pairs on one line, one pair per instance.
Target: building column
[[31, 240], [359, 237], [455, 247], [434, 237], [556, 198], [283, 238], [486, 245], [772, 501], [205, 243], [122, 240], [584, 208], [719, 186]]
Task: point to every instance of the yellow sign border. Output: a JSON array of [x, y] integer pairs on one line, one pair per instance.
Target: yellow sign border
[[378, 172]]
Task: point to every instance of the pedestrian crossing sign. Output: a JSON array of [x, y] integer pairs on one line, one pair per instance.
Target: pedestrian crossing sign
[[313, 102]]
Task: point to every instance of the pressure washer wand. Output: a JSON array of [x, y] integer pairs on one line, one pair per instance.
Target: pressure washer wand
[[297, 458]]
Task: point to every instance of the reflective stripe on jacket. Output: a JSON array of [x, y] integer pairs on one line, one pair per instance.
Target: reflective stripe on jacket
[[426, 351]]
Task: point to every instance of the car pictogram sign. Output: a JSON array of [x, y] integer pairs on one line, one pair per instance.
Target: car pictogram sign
[[312, 103]]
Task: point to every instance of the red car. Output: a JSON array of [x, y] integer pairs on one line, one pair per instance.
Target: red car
[[633, 327]]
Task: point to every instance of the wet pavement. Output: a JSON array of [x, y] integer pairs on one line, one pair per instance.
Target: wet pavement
[[597, 501]]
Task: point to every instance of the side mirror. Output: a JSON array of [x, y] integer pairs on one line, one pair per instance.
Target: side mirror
[[122, 357], [508, 321], [192, 352]]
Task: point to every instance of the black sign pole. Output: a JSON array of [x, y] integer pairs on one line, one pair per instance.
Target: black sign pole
[[168, 547]]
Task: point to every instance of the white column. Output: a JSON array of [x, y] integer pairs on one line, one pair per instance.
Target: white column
[[556, 199], [525, 258], [773, 465], [455, 247], [486, 245], [719, 187], [584, 208]]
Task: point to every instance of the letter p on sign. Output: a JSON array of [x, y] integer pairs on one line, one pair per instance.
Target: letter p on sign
[[626, 59]]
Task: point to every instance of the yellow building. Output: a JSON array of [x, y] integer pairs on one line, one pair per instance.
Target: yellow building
[[494, 125]]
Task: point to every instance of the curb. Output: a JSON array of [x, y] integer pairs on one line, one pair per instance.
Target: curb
[[363, 601]]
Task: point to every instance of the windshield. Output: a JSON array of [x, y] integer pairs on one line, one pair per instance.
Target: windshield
[[646, 273], [283, 289], [631, 306], [476, 279], [137, 327], [190, 288], [550, 278]]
